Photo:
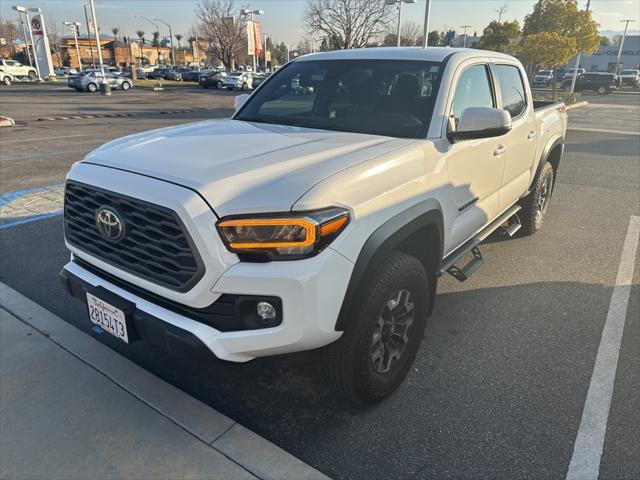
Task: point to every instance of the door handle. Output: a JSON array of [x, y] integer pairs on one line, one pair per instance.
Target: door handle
[[531, 135], [500, 149]]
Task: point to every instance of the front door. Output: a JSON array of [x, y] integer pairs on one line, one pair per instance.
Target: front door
[[475, 166]]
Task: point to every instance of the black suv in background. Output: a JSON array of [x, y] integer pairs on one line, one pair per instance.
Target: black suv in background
[[602, 83]]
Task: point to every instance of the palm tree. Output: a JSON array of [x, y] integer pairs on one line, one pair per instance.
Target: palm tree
[[140, 34], [156, 39], [179, 37], [115, 31]]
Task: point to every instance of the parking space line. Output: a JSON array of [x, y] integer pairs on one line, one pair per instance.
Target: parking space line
[[587, 451], [602, 130]]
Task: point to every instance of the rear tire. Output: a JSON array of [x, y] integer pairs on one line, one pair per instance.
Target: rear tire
[[32, 74], [219, 85], [126, 85], [534, 205], [378, 347]]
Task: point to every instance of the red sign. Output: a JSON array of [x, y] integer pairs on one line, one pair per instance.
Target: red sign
[[36, 25], [257, 31]]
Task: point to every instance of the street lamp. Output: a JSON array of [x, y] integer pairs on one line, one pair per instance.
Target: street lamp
[[624, 35], [398, 4], [105, 88], [464, 45], [25, 11], [75, 26], [173, 55], [250, 13], [427, 15]]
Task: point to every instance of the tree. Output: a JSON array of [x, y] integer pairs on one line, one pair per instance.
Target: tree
[[434, 39], [549, 49], [347, 23], [500, 37], [179, 38], [156, 39], [53, 35], [115, 31], [564, 18], [140, 34], [604, 41], [224, 27]]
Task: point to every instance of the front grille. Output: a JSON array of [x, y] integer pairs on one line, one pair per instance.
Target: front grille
[[155, 246]]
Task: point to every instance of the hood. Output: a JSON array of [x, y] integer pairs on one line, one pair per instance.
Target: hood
[[243, 167]]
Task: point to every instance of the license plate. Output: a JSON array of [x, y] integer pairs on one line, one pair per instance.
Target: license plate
[[107, 317]]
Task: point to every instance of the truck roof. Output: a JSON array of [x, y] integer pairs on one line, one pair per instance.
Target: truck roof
[[430, 54]]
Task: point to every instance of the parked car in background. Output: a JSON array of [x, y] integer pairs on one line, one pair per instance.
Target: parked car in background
[[630, 77], [238, 81], [6, 78], [17, 70], [171, 74], [259, 78], [213, 78], [569, 73], [65, 71], [91, 81], [543, 77], [157, 73], [140, 73], [602, 83]]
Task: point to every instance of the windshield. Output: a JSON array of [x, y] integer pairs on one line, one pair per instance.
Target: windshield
[[629, 72], [382, 97]]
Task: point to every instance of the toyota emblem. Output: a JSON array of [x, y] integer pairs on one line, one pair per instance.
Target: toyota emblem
[[109, 225]]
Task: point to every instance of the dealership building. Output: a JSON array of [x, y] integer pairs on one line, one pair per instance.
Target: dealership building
[[605, 59]]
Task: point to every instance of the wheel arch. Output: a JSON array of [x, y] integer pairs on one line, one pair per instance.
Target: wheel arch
[[551, 153], [417, 231]]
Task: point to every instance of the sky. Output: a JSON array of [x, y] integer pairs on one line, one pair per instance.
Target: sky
[[282, 18]]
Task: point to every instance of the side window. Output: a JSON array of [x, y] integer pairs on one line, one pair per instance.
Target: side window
[[473, 90], [514, 98]]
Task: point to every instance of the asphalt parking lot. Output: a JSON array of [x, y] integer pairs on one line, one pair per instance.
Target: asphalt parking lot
[[498, 389]]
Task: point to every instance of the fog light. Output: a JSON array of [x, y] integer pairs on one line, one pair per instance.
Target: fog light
[[266, 311]]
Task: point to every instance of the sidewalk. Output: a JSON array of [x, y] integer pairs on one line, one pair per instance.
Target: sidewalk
[[72, 408]]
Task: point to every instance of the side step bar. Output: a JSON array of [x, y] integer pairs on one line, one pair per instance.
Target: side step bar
[[471, 245]]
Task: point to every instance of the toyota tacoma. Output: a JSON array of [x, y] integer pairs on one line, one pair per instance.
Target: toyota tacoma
[[314, 220]]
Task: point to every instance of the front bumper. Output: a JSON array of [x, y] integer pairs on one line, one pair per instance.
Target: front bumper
[[311, 293]]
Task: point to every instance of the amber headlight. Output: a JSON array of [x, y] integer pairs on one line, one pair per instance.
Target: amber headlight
[[282, 236]]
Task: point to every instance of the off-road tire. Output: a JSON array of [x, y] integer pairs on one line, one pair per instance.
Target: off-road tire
[[348, 362], [531, 217]]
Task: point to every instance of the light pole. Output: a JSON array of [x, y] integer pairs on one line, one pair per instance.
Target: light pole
[[250, 13], [624, 35], [398, 4], [464, 44], [25, 11], [105, 88], [24, 32], [427, 14], [75, 26], [157, 30], [173, 55]]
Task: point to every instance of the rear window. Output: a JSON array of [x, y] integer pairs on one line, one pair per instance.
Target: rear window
[[514, 98]]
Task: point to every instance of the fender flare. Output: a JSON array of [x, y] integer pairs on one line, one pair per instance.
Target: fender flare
[[384, 240], [551, 144]]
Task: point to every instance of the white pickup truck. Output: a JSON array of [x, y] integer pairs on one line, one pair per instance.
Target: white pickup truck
[[320, 215]]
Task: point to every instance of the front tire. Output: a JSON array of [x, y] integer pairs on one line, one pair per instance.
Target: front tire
[[602, 91], [6, 81], [378, 347], [32, 74], [534, 205], [92, 87], [126, 86]]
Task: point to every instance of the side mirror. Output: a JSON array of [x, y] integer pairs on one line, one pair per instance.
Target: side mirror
[[481, 122], [239, 101]]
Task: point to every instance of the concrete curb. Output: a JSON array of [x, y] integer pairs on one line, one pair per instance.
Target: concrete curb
[[252, 452], [6, 122], [577, 105]]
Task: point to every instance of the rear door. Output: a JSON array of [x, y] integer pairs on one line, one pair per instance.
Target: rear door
[[521, 140], [475, 166]]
